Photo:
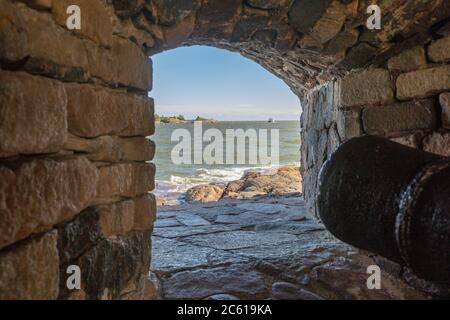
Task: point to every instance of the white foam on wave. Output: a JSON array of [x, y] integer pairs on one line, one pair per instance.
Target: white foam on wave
[[176, 187]]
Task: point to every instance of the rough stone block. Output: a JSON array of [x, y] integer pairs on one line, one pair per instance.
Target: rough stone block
[[266, 4], [401, 117], [168, 13], [95, 23], [439, 51], [369, 87], [134, 68], [304, 14], [122, 217], [444, 99], [47, 45], [437, 143], [113, 149], [408, 140], [127, 180], [96, 111], [38, 4], [144, 213], [33, 112], [117, 218], [329, 25], [110, 266], [348, 124], [76, 237], [423, 83], [409, 60], [217, 18], [38, 194], [31, 270]]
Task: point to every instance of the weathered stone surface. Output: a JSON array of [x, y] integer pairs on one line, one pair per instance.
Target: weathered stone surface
[[329, 25], [279, 181], [77, 236], [33, 112], [239, 239], [216, 18], [409, 60], [144, 212], [171, 256], [340, 280], [338, 45], [134, 68], [439, 51], [204, 193], [178, 232], [235, 280], [368, 87], [110, 266], [304, 13], [444, 99], [191, 220], [359, 56], [288, 291], [50, 50], [248, 25], [423, 83], [438, 143], [95, 23], [96, 111], [401, 117], [170, 12], [122, 217], [38, 4], [36, 195], [222, 297], [112, 149], [176, 35], [127, 8], [410, 140], [266, 4], [127, 180], [117, 218], [348, 124], [31, 270]]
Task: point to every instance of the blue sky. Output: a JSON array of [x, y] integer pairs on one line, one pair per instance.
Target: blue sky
[[220, 84]]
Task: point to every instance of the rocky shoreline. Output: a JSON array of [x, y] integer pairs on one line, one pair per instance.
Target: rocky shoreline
[[284, 180]]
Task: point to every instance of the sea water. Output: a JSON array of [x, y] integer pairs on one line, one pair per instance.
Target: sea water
[[172, 180]]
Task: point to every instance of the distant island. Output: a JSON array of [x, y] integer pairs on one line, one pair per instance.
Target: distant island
[[181, 119]]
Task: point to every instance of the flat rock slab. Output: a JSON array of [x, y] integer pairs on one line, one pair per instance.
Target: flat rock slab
[[200, 284], [170, 256], [262, 207], [191, 220], [289, 227], [164, 223], [177, 232], [240, 239]]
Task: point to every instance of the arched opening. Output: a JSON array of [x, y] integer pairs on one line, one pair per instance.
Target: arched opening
[[215, 214], [75, 180]]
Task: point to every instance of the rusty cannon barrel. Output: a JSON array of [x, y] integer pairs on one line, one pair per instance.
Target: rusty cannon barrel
[[392, 200]]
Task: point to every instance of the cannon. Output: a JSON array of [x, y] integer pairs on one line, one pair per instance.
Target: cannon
[[392, 200]]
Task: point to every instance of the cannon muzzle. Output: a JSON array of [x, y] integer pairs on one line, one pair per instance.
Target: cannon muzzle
[[392, 200]]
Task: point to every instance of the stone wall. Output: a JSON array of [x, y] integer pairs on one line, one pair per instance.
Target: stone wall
[[75, 114], [405, 99]]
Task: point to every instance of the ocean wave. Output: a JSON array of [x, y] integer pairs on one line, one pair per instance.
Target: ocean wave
[[176, 187]]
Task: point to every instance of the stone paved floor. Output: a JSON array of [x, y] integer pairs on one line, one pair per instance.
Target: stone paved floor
[[258, 249]]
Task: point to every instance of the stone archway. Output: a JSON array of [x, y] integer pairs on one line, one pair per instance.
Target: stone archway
[[74, 114]]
